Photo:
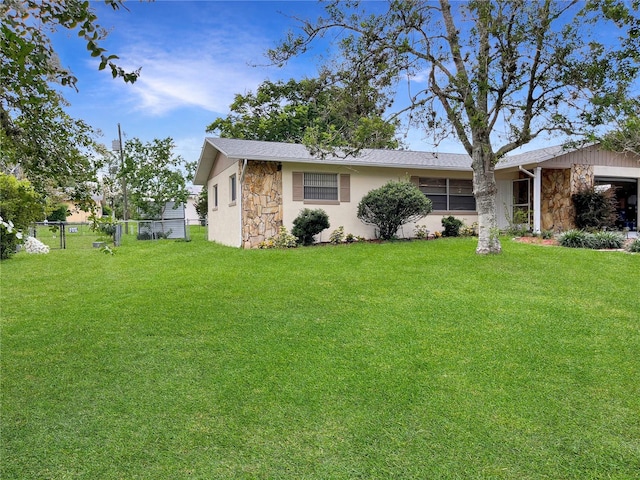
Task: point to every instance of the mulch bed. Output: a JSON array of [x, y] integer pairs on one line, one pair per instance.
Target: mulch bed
[[537, 240]]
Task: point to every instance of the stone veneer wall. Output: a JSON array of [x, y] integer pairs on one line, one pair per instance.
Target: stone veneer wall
[[261, 202], [558, 185], [581, 177]]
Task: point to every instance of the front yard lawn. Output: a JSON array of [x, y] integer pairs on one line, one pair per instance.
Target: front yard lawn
[[407, 360]]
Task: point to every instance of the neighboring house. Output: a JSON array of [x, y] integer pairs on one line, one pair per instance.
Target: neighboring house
[[172, 223], [255, 187], [83, 216]]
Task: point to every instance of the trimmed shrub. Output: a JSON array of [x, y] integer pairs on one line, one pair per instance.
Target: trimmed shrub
[[634, 246], [391, 206], [596, 241], [606, 240], [574, 239], [308, 224], [337, 236], [451, 226], [282, 240], [595, 209]]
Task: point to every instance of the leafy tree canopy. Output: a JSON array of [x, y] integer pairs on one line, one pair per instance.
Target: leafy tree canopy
[[626, 137], [39, 139], [495, 74], [316, 112], [154, 175]]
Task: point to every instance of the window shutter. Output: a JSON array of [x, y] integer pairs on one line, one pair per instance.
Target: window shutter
[[298, 189], [415, 181], [345, 187]]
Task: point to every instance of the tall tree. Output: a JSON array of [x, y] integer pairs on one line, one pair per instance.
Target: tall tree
[[38, 137], [496, 74], [311, 111], [154, 175]]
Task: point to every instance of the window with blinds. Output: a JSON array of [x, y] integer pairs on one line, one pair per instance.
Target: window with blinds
[[448, 193], [320, 186]]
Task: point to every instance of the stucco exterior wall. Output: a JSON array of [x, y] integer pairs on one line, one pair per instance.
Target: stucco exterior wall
[[224, 221], [362, 180]]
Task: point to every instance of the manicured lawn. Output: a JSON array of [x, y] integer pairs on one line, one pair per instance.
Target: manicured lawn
[[419, 360]]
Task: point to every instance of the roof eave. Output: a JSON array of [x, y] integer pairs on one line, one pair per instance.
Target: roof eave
[[205, 164]]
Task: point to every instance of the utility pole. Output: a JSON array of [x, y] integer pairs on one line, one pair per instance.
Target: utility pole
[[124, 182]]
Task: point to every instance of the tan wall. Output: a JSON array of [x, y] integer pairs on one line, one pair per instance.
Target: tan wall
[[224, 221], [362, 180], [80, 216]]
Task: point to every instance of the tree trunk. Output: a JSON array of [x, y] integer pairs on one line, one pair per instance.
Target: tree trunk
[[485, 191]]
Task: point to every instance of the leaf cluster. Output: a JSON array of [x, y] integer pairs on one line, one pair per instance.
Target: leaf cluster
[[202, 203]]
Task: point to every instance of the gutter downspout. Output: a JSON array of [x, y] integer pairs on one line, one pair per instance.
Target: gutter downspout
[[239, 193], [537, 189]]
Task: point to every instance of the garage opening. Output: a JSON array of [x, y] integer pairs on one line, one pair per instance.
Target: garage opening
[[627, 197]]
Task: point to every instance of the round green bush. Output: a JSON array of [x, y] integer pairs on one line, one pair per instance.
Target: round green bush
[[451, 226], [393, 205], [308, 224]]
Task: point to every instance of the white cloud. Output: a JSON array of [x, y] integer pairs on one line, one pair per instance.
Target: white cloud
[[204, 68], [195, 79]]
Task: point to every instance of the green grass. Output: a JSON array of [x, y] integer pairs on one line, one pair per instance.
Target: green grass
[[407, 360]]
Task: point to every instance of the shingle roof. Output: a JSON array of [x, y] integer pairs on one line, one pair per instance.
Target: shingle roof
[[532, 157], [290, 152]]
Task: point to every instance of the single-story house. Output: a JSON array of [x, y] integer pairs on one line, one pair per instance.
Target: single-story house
[[254, 187]]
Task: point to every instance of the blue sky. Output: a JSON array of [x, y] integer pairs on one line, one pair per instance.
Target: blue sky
[[194, 57]]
